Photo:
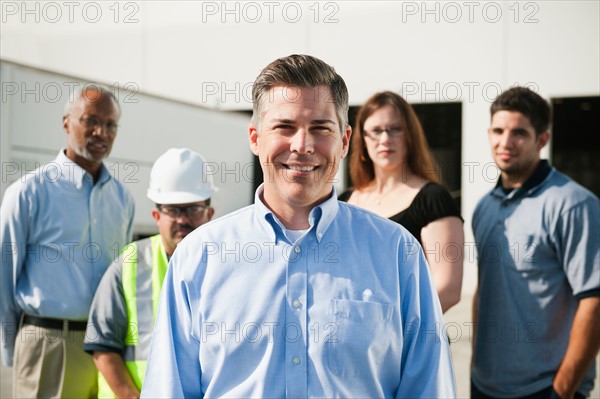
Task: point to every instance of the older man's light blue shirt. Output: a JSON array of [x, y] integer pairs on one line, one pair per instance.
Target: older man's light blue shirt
[[59, 233], [347, 310]]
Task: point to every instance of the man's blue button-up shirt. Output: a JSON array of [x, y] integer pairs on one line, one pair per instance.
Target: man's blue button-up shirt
[[59, 233], [346, 310]]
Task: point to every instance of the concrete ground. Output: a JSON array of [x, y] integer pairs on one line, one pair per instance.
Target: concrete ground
[[457, 324]]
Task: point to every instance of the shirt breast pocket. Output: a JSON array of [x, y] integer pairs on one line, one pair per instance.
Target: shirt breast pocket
[[362, 336]]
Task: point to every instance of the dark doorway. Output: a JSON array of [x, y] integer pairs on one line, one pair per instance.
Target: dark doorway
[[575, 124]]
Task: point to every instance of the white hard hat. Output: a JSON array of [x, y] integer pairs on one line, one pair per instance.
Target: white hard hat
[[178, 177]]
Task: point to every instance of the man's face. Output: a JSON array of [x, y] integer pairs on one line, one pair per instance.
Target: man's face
[[91, 127], [299, 146], [173, 225], [515, 146]]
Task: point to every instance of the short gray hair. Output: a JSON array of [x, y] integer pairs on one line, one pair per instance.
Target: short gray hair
[[302, 71], [79, 92]]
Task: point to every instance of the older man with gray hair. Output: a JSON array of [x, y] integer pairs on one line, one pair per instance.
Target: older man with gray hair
[[61, 226]]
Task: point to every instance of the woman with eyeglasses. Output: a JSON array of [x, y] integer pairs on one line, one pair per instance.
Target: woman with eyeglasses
[[394, 175]]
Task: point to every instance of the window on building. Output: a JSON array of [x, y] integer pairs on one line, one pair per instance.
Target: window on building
[[575, 122]]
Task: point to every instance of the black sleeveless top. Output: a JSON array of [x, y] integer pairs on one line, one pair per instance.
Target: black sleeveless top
[[431, 203]]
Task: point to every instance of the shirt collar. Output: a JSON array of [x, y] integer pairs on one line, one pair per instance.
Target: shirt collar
[[542, 171], [319, 219], [72, 172]]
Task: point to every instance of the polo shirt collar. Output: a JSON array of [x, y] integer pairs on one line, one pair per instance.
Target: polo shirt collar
[[540, 174]]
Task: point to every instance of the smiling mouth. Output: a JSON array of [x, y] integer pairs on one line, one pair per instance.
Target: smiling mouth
[[298, 168]]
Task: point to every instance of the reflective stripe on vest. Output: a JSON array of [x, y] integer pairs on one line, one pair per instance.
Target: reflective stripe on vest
[[144, 264]]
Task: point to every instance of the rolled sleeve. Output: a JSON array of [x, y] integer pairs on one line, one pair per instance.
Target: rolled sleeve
[[107, 323]]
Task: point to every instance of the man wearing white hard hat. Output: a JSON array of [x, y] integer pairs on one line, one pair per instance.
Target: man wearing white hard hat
[[124, 307]]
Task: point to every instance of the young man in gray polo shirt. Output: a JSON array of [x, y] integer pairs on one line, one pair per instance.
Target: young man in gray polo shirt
[[537, 307]]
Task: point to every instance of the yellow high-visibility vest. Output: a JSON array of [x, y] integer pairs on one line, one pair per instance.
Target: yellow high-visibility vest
[[144, 264]]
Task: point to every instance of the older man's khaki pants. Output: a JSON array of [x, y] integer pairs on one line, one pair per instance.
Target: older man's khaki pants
[[51, 363]]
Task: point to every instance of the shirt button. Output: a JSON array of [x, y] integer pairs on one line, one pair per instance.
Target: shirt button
[[296, 303], [320, 235], [297, 249], [296, 360]]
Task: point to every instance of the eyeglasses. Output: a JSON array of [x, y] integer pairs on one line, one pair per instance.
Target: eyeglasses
[[174, 212], [375, 133], [92, 122]]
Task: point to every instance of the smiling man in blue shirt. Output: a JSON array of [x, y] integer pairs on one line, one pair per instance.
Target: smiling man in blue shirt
[[61, 226], [299, 295]]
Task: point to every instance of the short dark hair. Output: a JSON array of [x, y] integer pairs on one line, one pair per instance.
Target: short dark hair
[[304, 71], [528, 103]]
